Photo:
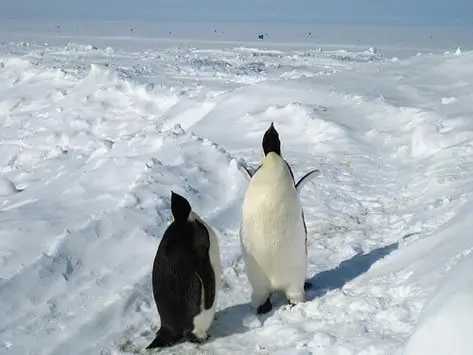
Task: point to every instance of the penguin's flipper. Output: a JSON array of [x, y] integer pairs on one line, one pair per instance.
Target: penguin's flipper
[[305, 179], [203, 266], [164, 338], [250, 172], [206, 276]]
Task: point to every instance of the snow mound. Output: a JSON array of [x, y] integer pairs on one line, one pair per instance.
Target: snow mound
[[446, 322]]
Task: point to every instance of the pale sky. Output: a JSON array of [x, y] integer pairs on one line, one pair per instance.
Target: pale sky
[[416, 12]]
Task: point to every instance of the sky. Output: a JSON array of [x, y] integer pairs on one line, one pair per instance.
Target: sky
[[413, 12]]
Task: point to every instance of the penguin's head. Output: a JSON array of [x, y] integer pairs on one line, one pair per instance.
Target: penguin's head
[[180, 207], [271, 142]]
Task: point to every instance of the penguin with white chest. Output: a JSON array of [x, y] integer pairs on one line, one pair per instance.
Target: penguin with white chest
[[273, 231], [186, 277]]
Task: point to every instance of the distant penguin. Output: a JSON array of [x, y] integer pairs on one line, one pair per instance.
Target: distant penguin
[[186, 277], [273, 232]]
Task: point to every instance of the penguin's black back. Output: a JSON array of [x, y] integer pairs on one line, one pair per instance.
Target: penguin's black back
[[181, 268]]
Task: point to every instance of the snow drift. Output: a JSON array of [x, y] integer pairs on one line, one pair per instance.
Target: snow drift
[[446, 322]]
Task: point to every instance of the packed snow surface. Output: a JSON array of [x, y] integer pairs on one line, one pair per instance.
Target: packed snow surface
[[446, 322], [94, 137]]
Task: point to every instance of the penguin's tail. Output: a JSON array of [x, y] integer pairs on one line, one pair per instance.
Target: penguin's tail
[[164, 338]]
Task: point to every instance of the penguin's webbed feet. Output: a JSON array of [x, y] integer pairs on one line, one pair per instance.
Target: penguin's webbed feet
[[191, 337]]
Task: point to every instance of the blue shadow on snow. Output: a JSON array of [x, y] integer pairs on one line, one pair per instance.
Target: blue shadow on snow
[[348, 270]]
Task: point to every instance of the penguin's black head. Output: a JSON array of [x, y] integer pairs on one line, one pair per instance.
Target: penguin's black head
[[271, 141], [180, 207]]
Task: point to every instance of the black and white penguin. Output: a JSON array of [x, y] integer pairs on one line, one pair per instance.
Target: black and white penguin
[[186, 277], [273, 232]]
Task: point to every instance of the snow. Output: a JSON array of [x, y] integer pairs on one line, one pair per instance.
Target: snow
[[446, 322], [7, 187], [96, 133]]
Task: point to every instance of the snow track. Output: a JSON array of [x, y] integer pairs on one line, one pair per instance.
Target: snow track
[[93, 140]]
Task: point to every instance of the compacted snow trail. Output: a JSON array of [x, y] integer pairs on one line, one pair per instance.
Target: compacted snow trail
[[94, 139]]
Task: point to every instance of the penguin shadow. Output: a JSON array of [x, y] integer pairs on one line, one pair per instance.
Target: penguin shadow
[[242, 318], [231, 321], [348, 270]]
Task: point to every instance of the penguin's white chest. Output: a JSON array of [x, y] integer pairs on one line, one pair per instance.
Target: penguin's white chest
[[272, 231]]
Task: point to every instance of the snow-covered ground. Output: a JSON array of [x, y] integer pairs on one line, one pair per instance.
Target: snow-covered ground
[[94, 136]]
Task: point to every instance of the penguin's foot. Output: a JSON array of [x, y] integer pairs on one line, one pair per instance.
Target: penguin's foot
[[193, 338], [265, 307], [291, 304]]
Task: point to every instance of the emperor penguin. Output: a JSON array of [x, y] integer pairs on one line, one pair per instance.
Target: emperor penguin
[[186, 277], [273, 233]]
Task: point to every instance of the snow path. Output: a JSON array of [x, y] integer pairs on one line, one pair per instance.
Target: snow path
[[94, 139]]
